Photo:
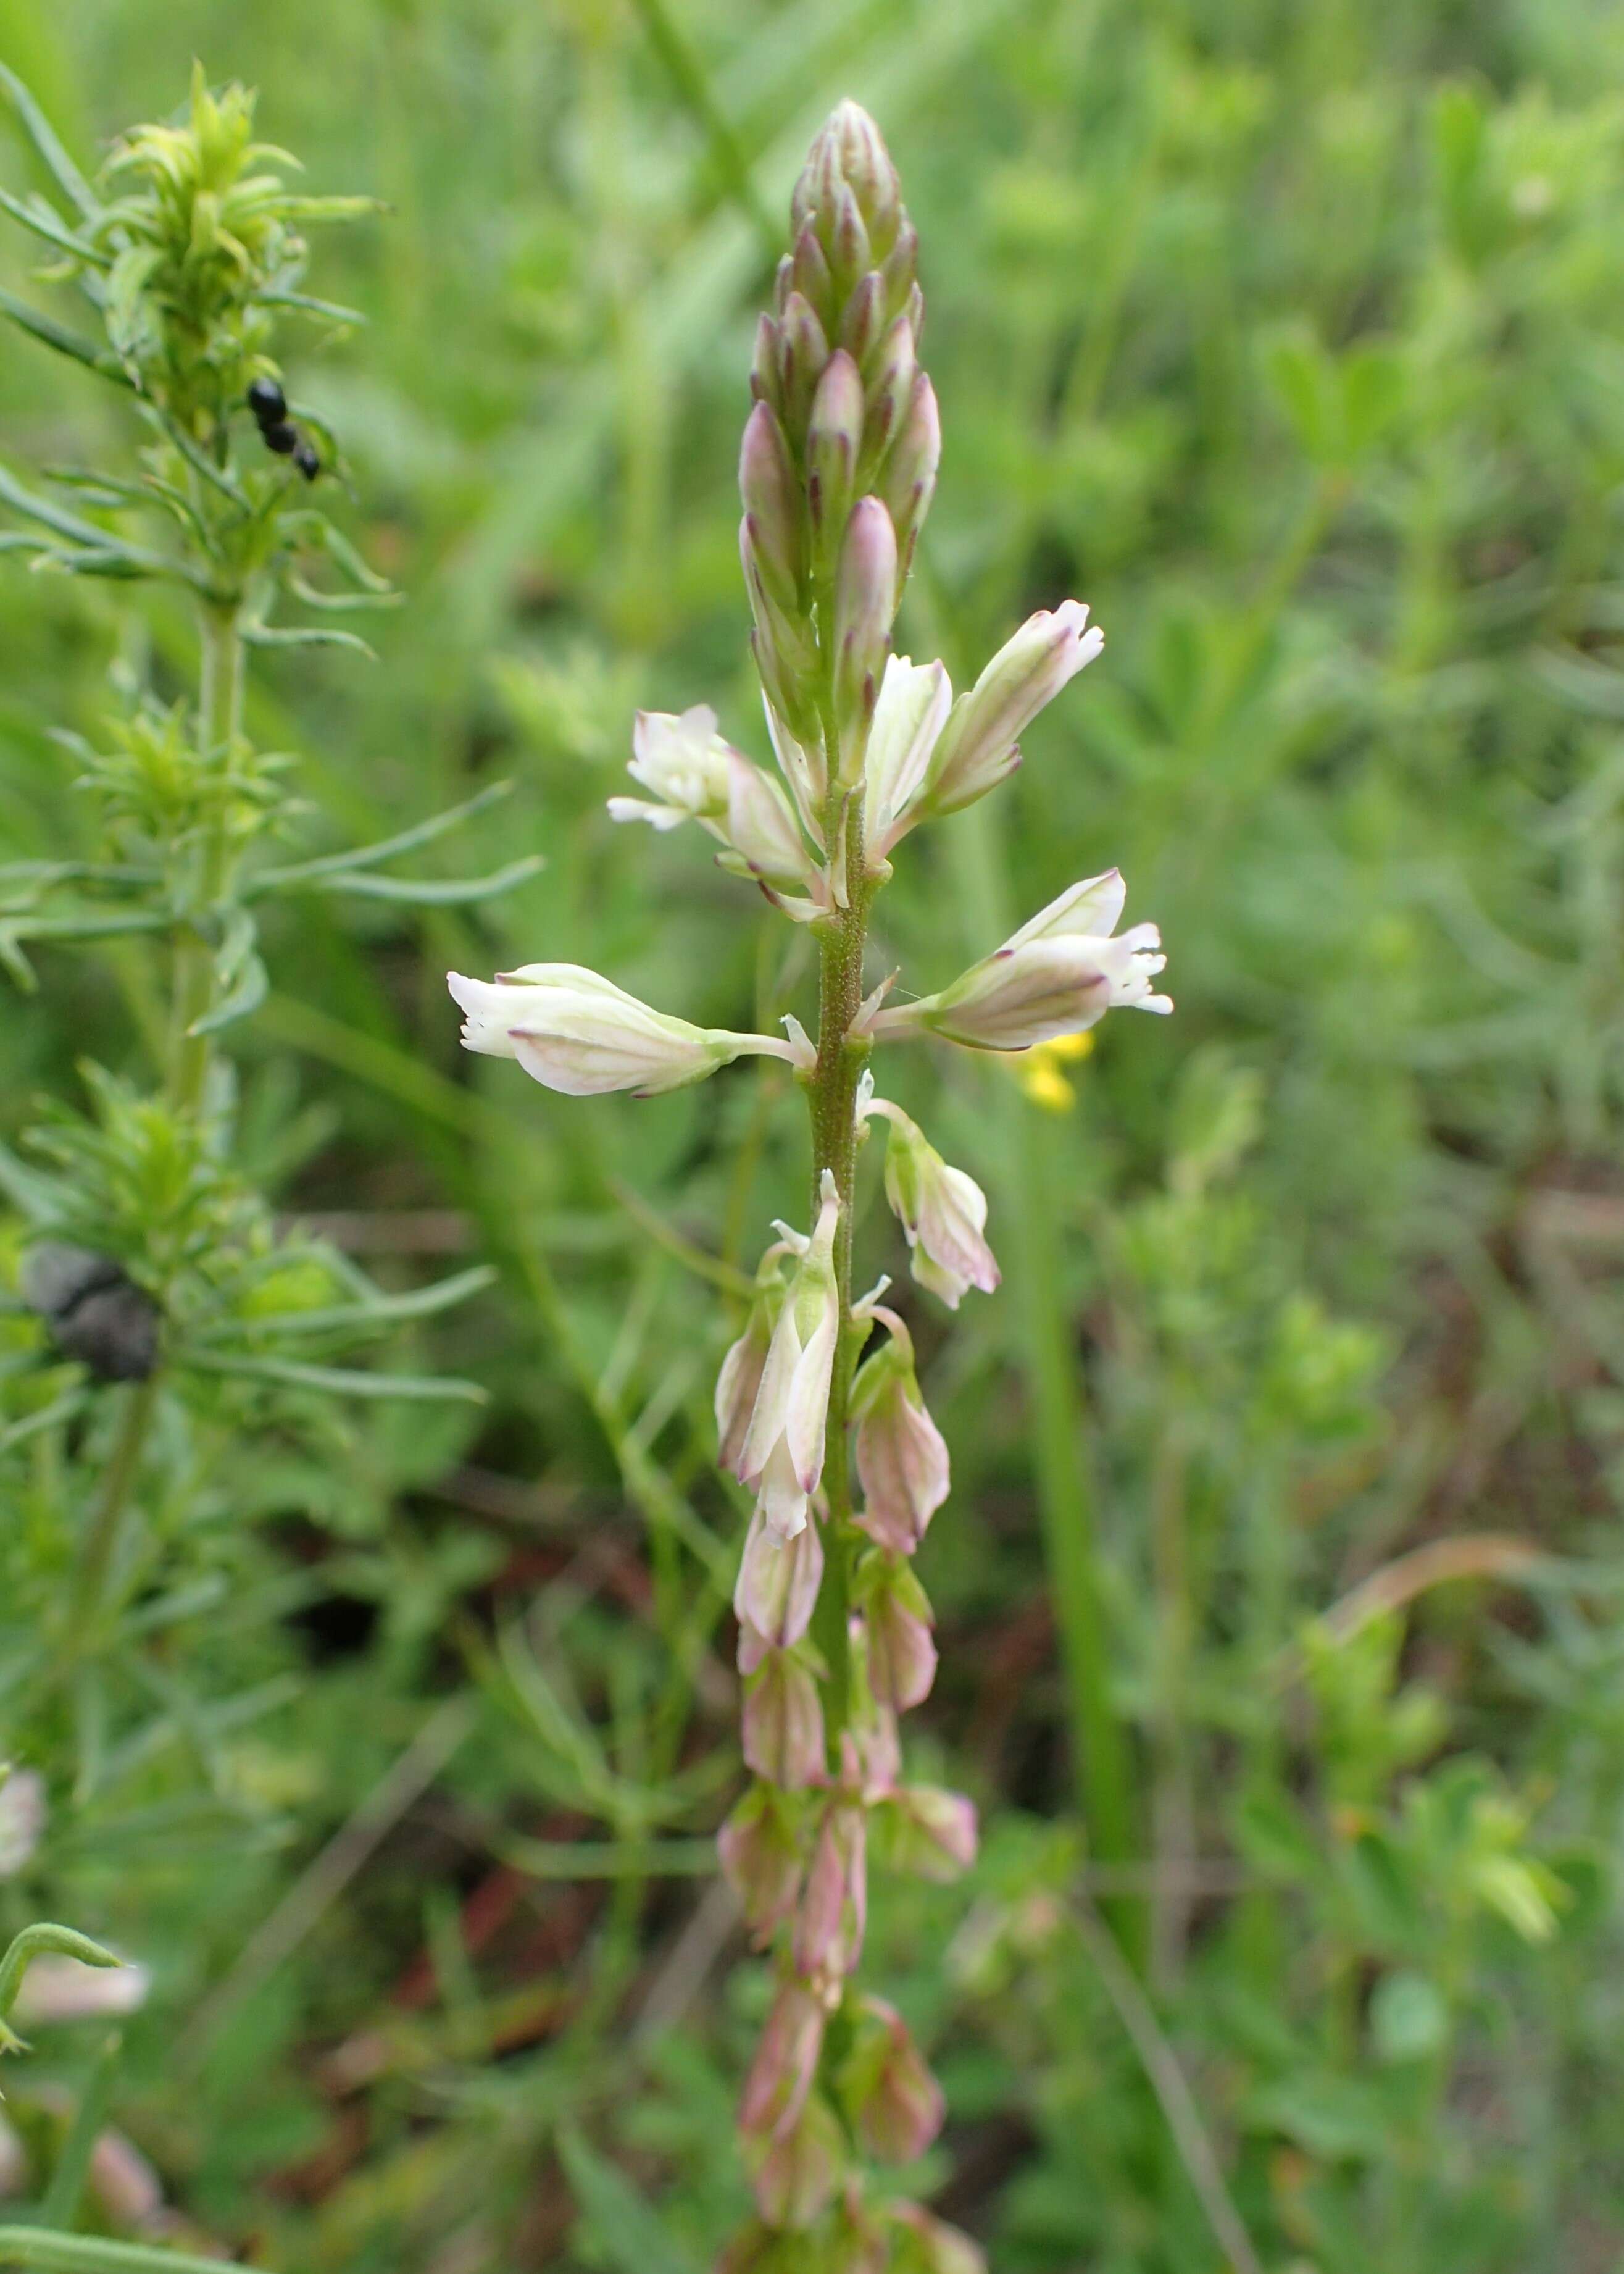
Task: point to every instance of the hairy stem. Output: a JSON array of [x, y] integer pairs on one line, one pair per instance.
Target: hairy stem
[[220, 697]]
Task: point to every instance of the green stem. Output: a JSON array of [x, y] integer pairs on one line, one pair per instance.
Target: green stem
[[840, 1062], [220, 697], [117, 1484]]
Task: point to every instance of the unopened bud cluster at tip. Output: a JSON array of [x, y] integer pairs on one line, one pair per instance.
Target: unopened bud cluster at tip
[[841, 452]]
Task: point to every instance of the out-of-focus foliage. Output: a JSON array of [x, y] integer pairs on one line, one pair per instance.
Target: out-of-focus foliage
[[1287, 1469]]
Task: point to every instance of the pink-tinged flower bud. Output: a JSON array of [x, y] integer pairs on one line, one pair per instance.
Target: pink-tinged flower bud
[[890, 394], [803, 350], [978, 745], [895, 2104], [781, 644], [1050, 978], [575, 1031], [902, 1461], [942, 1212], [783, 1450], [865, 317], [761, 1860], [795, 2176], [908, 478], [899, 275], [865, 602], [933, 2246], [834, 1902], [901, 1654], [778, 1580], [682, 762], [908, 716], [775, 2091], [933, 1833], [766, 385], [809, 275], [832, 443], [772, 504], [782, 1723], [740, 1379], [849, 254]]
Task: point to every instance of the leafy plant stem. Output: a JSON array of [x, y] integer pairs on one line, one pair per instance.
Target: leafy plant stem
[[220, 699]]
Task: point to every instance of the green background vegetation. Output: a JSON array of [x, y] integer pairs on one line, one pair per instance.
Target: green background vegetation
[[1291, 337]]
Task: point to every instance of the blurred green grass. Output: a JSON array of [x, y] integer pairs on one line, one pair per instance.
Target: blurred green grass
[[1289, 337]]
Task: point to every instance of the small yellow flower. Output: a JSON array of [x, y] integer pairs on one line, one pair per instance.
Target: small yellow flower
[[1040, 1071]]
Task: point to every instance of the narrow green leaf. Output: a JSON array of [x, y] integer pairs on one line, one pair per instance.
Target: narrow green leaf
[[384, 848], [433, 892], [268, 636], [377, 1311], [41, 133], [623, 2225], [340, 1381], [51, 333], [90, 2253], [35, 214]]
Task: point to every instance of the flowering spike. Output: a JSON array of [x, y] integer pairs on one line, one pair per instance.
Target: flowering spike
[[838, 468]]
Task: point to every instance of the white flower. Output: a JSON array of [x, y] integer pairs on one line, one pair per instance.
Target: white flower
[[1056, 975], [978, 746], [683, 761], [782, 1455], [942, 1212], [576, 1031], [908, 718], [696, 776]]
